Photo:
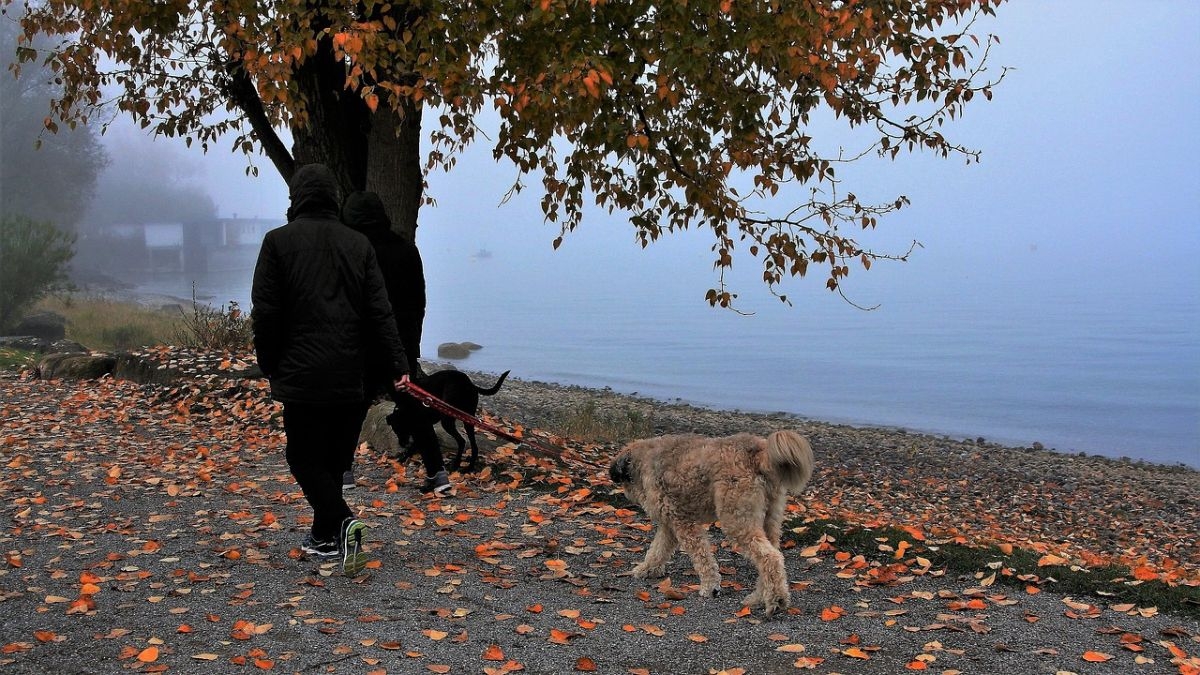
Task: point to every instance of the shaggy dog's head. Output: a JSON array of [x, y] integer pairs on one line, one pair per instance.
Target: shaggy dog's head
[[624, 471]]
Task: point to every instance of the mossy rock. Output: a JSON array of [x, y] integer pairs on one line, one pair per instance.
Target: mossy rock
[[453, 350], [75, 366]]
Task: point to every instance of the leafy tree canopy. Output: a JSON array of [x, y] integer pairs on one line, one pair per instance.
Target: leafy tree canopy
[[679, 113]]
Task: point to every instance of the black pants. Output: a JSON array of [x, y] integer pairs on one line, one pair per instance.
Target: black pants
[[321, 439]]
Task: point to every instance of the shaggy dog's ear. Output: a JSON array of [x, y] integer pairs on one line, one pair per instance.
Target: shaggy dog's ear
[[619, 471]]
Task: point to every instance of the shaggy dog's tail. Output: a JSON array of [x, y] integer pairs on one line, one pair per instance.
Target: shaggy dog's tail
[[790, 458]]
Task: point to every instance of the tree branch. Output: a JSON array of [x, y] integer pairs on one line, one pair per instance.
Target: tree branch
[[244, 95]]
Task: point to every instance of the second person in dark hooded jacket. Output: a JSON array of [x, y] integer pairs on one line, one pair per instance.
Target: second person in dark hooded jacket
[[404, 277], [403, 273]]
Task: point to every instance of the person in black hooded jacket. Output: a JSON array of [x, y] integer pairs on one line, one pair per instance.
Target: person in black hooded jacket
[[319, 308], [404, 277], [400, 261]]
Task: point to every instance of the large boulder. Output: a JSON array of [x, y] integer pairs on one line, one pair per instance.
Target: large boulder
[[457, 350], [376, 432], [453, 351], [75, 366], [25, 343], [48, 325], [30, 343]]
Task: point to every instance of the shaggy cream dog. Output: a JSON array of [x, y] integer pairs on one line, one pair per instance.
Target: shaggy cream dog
[[684, 482]]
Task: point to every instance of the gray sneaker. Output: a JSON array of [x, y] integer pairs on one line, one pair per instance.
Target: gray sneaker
[[438, 483], [348, 480]]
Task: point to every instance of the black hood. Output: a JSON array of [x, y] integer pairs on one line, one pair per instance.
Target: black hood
[[364, 212], [313, 191]]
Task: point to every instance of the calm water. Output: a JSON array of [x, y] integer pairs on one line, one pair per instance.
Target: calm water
[[1107, 370]]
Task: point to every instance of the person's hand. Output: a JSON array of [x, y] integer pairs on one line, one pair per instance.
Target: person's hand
[[402, 383]]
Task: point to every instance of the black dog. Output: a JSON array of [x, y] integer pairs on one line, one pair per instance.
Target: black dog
[[411, 417]]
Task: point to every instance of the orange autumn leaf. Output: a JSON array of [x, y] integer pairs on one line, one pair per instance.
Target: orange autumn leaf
[[1143, 573], [855, 653], [1097, 657], [16, 647], [1050, 559], [437, 668], [585, 664], [148, 655], [916, 665], [832, 613], [493, 653]]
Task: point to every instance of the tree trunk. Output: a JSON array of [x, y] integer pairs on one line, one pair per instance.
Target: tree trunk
[[394, 165], [335, 132]]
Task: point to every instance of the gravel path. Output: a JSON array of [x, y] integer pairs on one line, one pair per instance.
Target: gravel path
[[155, 530]]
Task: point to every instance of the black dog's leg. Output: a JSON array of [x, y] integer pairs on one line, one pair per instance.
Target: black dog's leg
[[474, 448], [448, 425]]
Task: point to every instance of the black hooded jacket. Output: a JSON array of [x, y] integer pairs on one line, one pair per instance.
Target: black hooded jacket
[[398, 257], [320, 308]]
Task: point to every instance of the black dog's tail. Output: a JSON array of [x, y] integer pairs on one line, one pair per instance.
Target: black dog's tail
[[495, 387]]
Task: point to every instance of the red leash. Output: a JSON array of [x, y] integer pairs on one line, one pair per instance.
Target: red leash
[[428, 399]]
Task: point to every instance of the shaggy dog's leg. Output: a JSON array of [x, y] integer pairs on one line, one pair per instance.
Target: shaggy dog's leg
[[659, 553], [693, 539], [771, 589], [773, 522]]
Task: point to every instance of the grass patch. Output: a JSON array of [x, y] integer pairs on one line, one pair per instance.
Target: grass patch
[[17, 359], [108, 325], [1112, 584], [586, 423]]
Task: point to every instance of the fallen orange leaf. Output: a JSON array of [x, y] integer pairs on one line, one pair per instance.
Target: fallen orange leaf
[[493, 653], [855, 653]]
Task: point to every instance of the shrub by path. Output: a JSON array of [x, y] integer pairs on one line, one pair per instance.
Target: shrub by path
[[150, 529]]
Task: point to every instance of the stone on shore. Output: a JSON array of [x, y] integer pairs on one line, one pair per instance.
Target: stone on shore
[[457, 350], [75, 366], [48, 325]]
